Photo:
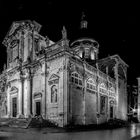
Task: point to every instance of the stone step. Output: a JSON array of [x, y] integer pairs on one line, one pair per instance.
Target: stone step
[[40, 122], [5, 121], [21, 123]]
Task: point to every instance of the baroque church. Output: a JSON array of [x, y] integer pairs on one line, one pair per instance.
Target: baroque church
[[63, 82]]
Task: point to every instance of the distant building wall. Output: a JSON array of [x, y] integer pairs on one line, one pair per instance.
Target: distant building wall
[[138, 99]]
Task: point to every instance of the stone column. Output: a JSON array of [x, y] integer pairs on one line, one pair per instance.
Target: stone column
[[108, 105], [20, 99], [97, 99], [8, 103], [28, 96], [31, 90]]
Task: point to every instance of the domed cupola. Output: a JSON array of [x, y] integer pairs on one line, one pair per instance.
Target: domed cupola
[[86, 47]]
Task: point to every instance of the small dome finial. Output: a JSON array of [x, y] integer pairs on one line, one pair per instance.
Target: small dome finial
[[64, 33], [83, 21]]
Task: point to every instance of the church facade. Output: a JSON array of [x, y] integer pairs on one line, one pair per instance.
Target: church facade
[[63, 82]]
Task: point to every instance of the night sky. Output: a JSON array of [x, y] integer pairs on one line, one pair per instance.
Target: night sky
[[115, 25]]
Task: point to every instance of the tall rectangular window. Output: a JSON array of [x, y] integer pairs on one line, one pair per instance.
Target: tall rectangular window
[[103, 104]]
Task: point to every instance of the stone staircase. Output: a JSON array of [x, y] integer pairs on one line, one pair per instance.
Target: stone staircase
[[5, 121], [36, 122], [33, 122], [20, 122], [40, 122]]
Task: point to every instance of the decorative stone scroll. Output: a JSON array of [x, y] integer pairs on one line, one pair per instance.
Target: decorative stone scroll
[[13, 90], [37, 95]]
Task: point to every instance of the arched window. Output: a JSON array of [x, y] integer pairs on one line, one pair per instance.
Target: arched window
[[103, 88], [76, 78], [91, 85], [112, 91], [54, 92], [103, 104], [81, 50], [92, 54]]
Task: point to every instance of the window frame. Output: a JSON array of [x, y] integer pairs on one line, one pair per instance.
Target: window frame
[[91, 86], [76, 79], [103, 104]]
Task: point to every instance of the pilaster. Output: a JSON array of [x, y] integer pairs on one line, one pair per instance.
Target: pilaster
[[8, 103], [84, 94], [20, 99], [117, 87], [28, 97]]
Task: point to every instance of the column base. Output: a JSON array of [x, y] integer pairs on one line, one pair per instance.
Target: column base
[[20, 116]]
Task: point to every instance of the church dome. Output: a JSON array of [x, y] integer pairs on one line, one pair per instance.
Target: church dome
[[86, 47]]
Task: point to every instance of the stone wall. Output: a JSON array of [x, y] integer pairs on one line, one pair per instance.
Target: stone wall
[[90, 108], [55, 85], [122, 102]]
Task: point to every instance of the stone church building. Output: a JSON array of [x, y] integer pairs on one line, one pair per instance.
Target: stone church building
[[63, 82]]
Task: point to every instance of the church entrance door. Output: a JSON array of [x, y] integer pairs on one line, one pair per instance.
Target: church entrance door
[[111, 112], [14, 107], [38, 108]]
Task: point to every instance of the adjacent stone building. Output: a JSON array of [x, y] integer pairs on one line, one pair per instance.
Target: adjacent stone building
[[62, 81], [138, 100]]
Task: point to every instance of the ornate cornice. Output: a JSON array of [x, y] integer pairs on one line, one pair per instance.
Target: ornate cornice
[[20, 26]]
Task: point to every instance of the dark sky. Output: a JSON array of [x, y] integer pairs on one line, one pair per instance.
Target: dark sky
[[115, 25]]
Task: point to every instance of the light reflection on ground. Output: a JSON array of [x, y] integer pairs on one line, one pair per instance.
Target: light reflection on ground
[[115, 134], [135, 130]]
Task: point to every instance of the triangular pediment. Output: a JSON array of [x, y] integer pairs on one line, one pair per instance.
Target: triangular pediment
[[13, 27], [17, 25], [110, 60], [119, 59], [53, 77]]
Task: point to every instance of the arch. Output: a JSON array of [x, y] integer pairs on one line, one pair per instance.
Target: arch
[[92, 54], [112, 102], [102, 85], [91, 84], [112, 89], [103, 88], [91, 80], [81, 52]]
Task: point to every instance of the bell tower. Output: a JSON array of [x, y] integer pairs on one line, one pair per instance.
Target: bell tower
[[84, 22]]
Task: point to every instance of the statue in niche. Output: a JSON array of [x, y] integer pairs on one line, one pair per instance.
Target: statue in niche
[[54, 94]]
